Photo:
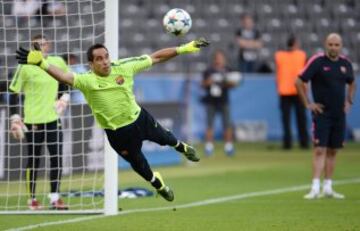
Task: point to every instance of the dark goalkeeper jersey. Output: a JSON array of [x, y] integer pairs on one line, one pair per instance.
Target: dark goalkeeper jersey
[[328, 82]]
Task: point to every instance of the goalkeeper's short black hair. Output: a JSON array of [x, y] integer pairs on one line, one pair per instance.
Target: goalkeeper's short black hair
[[89, 53], [39, 36]]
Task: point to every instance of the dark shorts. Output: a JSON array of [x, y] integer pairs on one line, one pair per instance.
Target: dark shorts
[[222, 109], [329, 132], [128, 140]]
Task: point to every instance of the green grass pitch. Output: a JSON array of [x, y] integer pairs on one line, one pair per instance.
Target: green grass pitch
[[251, 176]]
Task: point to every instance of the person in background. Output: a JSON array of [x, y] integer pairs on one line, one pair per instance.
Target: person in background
[[333, 88], [44, 102], [248, 39], [289, 64], [217, 84], [24, 9], [72, 61], [55, 8]]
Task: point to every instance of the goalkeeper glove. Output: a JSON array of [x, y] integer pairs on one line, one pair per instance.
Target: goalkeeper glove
[[33, 57], [192, 47], [17, 127], [62, 103]]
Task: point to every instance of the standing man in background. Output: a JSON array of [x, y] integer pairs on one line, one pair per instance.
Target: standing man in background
[[329, 74], [216, 83], [42, 106], [248, 39], [289, 64]]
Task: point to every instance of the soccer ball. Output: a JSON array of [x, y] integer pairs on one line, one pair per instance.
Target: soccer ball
[[177, 22]]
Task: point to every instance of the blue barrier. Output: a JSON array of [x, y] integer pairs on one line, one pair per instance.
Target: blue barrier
[[254, 100]]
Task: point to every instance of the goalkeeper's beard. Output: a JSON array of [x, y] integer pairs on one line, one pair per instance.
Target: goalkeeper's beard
[[102, 71], [106, 70]]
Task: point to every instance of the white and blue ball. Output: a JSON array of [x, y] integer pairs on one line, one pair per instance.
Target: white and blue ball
[[177, 22]]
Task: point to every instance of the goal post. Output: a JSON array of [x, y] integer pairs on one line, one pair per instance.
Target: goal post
[[111, 158], [89, 182]]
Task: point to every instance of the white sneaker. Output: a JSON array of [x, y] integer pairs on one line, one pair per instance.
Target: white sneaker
[[332, 194], [312, 195], [209, 148], [229, 148]]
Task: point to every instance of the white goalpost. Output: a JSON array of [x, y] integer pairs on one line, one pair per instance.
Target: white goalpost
[[111, 158], [89, 182]]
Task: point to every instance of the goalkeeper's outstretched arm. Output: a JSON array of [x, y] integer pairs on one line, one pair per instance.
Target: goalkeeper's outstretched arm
[[35, 57], [60, 75], [168, 53], [163, 55]]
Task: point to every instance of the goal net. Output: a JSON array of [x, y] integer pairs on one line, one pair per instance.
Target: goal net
[[71, 26]]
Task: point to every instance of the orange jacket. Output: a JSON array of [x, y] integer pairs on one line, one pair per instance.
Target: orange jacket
[[288, 67]]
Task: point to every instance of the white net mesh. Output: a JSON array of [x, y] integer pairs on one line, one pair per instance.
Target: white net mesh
[[71, 27]]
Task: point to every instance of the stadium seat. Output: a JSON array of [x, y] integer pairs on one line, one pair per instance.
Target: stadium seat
[[310, 20]]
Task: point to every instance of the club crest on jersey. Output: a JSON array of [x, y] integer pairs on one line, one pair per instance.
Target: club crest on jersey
[[343, 69], [326, 68], [120, 80]]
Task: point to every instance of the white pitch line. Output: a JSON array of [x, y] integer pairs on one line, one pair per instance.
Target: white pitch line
[[188, 205]]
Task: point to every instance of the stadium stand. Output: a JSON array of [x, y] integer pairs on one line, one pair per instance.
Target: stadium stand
[[141, 31], [311, 20]]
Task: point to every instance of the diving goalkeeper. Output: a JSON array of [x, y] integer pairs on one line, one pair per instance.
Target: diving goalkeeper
[[108, 89]]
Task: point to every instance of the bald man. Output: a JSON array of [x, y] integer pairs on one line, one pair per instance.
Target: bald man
[[329, 74]]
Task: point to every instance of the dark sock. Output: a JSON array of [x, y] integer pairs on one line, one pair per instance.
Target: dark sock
[[156, 184], [180, 147]]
